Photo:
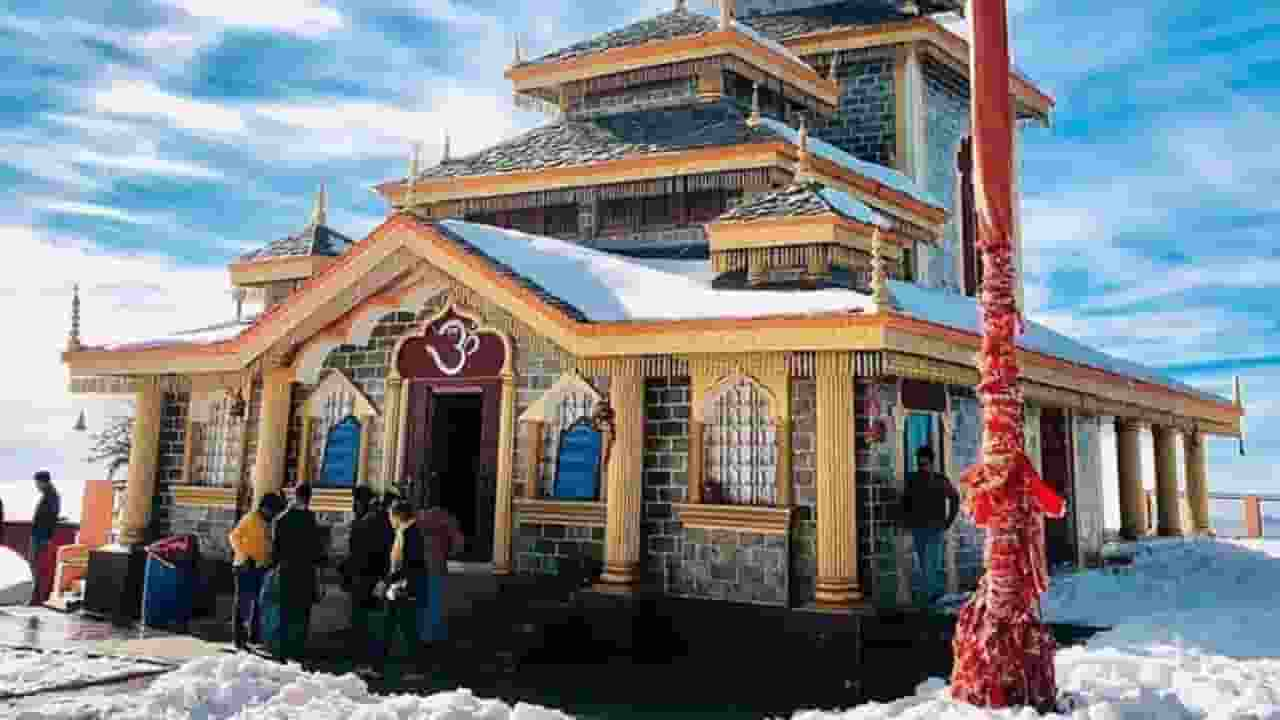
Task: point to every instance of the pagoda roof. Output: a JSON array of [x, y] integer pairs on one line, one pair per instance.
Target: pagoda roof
[[802, 199], [566, 142], [666, 26], [786, 25], [316, 240]]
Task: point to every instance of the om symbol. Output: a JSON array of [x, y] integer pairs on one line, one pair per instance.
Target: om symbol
[[465, 345]]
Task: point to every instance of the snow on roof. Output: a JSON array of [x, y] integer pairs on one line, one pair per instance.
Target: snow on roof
[[201, 336], [961, 312], [881, 174], [610, 288], [769, 42]]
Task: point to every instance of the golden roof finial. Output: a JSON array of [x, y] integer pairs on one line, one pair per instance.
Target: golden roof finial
[[318, 215], [519, 55], [73, 339], [879, 273], [726, 14], [835, 64], [444, 154], [803, 168], [755, 104], [414, 169], [682, 5]]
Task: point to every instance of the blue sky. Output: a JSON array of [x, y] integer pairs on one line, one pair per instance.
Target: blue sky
[[155, 141]]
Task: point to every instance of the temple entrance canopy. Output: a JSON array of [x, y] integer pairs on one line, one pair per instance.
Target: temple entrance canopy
[[453, 372]]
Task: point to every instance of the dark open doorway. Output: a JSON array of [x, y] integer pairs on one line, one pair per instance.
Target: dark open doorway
[[459, 478], [1056, 451]]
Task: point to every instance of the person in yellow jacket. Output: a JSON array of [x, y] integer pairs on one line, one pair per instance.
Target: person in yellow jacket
[[251, 545]]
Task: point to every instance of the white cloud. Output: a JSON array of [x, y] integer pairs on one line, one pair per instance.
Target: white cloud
[[121, 297], [66, 207], [298, 17], [144, 98]]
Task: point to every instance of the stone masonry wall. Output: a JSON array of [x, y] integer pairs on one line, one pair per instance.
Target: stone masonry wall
[[665, 480], [946, 124], [736, 566], [866, 123], [173, 428], [877, 494], [540, 549], [804, 524], [964, 446]]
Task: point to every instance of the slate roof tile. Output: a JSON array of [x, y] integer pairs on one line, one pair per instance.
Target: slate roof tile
[[667, 26], [314, 241], [567, 142], [797, 199]]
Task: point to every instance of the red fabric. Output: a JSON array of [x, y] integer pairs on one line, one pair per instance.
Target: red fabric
[[172, 550], [1003, 655]]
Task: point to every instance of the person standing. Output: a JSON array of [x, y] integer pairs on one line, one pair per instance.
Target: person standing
[[444, 539], [929, 506], [406, 584], [45, 520], [251, 545], [296, 545], [368, 562]]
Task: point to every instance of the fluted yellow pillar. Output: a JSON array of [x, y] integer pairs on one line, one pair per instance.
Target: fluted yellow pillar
[[506, 453], [273, 432], [1133, 501], [626, 463], [1197, 482], [837, 582], [1168, 509], [144, 453]]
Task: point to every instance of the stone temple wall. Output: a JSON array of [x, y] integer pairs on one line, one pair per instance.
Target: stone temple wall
[[804, 468], [866, 124], [946, 124]]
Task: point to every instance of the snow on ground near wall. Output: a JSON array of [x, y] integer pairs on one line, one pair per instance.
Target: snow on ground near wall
[[27, 671], [246, 687], [16, 583]]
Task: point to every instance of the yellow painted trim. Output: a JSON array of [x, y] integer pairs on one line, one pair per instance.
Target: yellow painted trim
[[337, 381], [828, 229], [331, 500], [738, 518], [223, 498], [543, 409], [530, 511], [286, 268]]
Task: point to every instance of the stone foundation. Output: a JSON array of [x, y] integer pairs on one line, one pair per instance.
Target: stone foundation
[[736, 566], [540, 549]]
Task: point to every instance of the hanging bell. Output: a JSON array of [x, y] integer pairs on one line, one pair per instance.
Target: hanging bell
[[238, 406], [80, 425]]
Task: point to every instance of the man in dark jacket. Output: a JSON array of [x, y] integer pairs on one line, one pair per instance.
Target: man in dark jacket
[[45, 520], [406, 583], [929, 506], [295, 547], [368, 562]]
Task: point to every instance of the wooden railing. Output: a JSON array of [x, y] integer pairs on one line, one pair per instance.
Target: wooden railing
[[1255, 522]]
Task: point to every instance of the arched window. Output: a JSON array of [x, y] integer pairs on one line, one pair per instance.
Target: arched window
[[215, 438], [740, 448], [570, 400]]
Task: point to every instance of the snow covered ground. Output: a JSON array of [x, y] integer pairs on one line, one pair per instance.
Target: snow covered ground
[[1194, 637], [27, 671]]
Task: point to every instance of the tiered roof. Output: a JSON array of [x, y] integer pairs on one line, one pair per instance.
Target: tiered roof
[[678, 23], [313, 241]]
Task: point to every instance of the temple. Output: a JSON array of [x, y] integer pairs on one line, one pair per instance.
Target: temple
[[692, 328]]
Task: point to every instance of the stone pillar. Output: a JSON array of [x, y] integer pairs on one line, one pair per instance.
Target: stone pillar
[[273, 432], [626, 464], [1197, 482], [837, 582], [696, 461], [506, 452], [1133, 508], [1253, 516], [1168, 508], [144, 453]]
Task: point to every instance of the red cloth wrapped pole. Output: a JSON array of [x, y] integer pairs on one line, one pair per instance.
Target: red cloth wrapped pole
[[1003, 654]]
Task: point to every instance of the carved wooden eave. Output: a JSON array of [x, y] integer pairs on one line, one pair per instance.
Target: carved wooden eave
[[385, 265], [544, 77], [257, 272], [940, 43], [738, 518], [826, 229], [782, 155], [529, 511]]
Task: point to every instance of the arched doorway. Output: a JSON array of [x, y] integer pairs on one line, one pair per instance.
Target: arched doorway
[[453, 372]]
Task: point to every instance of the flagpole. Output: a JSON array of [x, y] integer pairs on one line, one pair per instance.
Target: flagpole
[[1003, 654]]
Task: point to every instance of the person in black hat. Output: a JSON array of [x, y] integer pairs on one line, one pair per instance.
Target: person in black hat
[[296, 547]]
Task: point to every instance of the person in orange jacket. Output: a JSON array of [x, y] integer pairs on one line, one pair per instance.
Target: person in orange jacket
[[251, 543]]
